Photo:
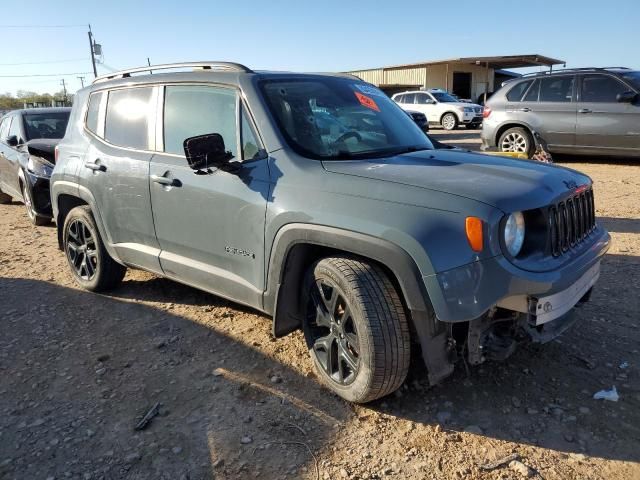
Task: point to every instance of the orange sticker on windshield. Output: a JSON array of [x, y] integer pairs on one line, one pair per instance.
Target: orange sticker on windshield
[[367, 101]]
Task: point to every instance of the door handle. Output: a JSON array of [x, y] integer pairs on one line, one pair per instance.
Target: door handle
[[170, 182], [95, 166], [585, 110], [524, 109]]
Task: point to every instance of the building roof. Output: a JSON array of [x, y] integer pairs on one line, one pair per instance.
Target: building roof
[[505, 61]]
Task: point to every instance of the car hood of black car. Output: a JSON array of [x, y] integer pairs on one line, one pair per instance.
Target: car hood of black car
[[506, 183]]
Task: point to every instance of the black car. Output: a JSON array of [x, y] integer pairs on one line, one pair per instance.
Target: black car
[[420, 119], [27, 155]]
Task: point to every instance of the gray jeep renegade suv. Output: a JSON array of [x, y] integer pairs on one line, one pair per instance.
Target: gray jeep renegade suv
[[316, 200]]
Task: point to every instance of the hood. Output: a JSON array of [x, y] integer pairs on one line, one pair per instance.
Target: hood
[[43, 147], [508, 184]]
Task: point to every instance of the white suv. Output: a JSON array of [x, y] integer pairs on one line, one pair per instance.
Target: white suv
[[440, 107]]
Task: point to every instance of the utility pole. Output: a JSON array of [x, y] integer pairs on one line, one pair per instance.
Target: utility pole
[[81, 81], [91, 48], [64, 89], [149, 63]]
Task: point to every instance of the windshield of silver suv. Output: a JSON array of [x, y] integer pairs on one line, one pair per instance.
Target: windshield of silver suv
[[444, 97], [633, 78], [335, 118]]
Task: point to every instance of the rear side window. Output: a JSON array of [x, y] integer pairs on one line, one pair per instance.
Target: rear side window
[[197, 110], [93, 111], [532, 94], [601, 89], [409, 98], [127, 119], [556, 89], [516, 93]]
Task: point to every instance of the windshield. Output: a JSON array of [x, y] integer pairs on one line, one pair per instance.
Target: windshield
[[444, 97], [337, 118], [45, 125], [633, 78]]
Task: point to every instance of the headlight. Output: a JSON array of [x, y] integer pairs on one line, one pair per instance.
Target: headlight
[[514, 233], [39, 166], [468, 109]]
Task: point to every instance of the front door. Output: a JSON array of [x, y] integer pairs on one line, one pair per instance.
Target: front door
[[116, 171], [210, 224], [604, 124]]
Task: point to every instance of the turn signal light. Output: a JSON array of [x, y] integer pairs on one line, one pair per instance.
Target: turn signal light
[[473, 226], [55, 153], [486, 112]]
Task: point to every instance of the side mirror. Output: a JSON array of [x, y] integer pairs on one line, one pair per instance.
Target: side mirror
[[627, 97], [208, 151], [12, 141]]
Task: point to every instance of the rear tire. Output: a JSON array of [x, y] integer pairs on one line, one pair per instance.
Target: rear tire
[[91, 265], [449, 121], [518, 140], [356, 329]]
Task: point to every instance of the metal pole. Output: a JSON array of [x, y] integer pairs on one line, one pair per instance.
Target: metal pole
[[93, 58], [81, 81], [149, 63], [64, 90], [486, 85]]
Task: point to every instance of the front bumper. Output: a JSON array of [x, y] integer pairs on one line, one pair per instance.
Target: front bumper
[[467, 292], [40, 194], [472, 119]]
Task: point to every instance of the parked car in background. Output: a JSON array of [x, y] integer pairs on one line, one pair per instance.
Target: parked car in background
[[420, 119], [441, 108], [586, 111], [317, 200], [27, 143]]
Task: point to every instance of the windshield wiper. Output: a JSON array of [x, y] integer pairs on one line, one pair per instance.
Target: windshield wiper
[[387, 152]]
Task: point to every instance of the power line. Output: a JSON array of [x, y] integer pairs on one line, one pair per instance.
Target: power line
[[41, 26], [41, 63], [45, 75]]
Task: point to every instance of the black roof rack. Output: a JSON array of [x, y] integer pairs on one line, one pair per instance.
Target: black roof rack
[[223, 66], [569, 70]]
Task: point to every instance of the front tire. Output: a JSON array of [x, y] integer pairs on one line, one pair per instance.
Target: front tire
[[517, 140], [27, 198], [91, 265], [449, 121], [356, 329]]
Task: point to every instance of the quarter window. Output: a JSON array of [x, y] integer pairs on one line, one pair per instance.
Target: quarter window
[[516, 93], [127, 119], [197, 110], [556, 89], [601, 89], [250, 143], [93, 111]]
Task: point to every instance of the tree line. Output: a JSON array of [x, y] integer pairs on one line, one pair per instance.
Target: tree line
[[11, 102]]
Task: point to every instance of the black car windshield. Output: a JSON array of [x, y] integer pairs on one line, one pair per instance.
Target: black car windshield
[[45, 125], [337, 118], [633, 78], [444, 97]]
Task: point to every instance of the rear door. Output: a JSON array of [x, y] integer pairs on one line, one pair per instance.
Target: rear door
[[4, 133], [116, 170], [210, 226], [549, 107], [604, 124]]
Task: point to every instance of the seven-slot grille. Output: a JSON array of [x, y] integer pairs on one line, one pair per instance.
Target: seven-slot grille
[[571, 221]]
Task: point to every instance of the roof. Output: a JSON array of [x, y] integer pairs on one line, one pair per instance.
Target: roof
[[42, 110], [506, 61]]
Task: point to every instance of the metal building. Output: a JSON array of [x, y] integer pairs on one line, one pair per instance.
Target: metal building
[[469, 77]]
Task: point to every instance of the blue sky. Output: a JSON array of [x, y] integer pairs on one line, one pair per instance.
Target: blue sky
[[322, 35]]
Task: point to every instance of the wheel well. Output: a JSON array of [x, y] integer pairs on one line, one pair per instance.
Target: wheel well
[[66, 203], [452, 112], [506, 127], [290, 307]]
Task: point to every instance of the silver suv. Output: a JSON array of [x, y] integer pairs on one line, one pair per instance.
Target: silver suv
[[593, 111]]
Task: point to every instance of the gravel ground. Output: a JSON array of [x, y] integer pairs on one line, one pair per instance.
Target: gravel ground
[[78, 371]]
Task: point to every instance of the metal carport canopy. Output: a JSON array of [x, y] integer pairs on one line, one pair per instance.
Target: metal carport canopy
[[508, 61]]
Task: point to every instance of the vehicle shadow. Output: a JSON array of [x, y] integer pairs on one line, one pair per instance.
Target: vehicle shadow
[[620, 225], [543, 394], [80, 370]]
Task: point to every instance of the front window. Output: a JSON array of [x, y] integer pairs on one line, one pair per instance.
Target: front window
[[336, 118], [444, 97], [45, 125], [601, 89]]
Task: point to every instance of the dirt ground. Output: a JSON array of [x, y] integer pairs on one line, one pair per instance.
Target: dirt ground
[[78, 371]]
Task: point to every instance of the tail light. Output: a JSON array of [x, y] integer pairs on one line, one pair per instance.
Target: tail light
[[55, 154], [486, 112]]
